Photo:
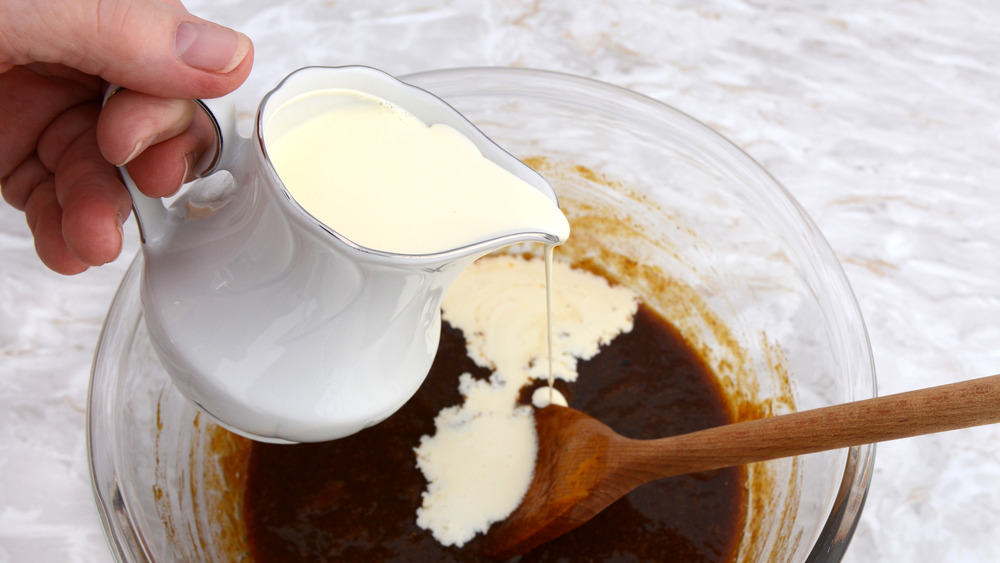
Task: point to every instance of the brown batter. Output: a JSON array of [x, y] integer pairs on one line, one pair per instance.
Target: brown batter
[[355, 499]]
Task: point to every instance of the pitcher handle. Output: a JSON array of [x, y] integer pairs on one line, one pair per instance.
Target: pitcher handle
[[151, 213]]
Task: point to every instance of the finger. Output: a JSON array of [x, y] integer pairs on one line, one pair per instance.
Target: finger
[[183, 139], [63, 131], [163, 168], [94, 202], [91, 197], [44, 216], [130, 122], [146, 45], [28, 175], [30, 97]]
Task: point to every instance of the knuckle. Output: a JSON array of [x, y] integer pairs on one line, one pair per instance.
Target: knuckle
[[19, 184]]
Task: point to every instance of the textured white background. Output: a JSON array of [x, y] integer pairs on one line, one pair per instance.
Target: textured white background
[[882, 118]]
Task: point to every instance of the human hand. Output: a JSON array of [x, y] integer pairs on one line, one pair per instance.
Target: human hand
[[59, 148]]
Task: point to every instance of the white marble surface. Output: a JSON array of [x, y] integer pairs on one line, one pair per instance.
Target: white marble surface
[[882, 118]]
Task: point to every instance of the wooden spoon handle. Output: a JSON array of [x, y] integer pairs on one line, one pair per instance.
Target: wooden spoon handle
[[914, 413]]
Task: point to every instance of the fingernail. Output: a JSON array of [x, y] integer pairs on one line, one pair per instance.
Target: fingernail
[[121, 235], [210, 47], [139, 147], [188, 161]]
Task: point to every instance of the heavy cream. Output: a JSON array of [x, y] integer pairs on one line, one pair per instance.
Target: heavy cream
[[384, 179], [479, 461]]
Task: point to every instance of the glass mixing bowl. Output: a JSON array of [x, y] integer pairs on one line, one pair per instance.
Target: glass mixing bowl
[[658, 201]]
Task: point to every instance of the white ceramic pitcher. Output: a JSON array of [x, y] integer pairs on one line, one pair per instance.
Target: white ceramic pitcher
[[277, 326]]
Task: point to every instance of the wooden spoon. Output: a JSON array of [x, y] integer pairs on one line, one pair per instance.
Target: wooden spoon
[[583, 466]]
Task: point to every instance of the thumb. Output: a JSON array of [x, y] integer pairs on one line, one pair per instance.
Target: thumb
[[152, 46]]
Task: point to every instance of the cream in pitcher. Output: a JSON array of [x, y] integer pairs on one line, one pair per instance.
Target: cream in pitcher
[[306, 306], [385, 180]]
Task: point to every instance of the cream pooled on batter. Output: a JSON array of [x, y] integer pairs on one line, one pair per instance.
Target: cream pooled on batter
[[480, 460]]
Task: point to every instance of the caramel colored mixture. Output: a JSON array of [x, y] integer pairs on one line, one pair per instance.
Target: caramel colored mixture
[[355, 499]]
